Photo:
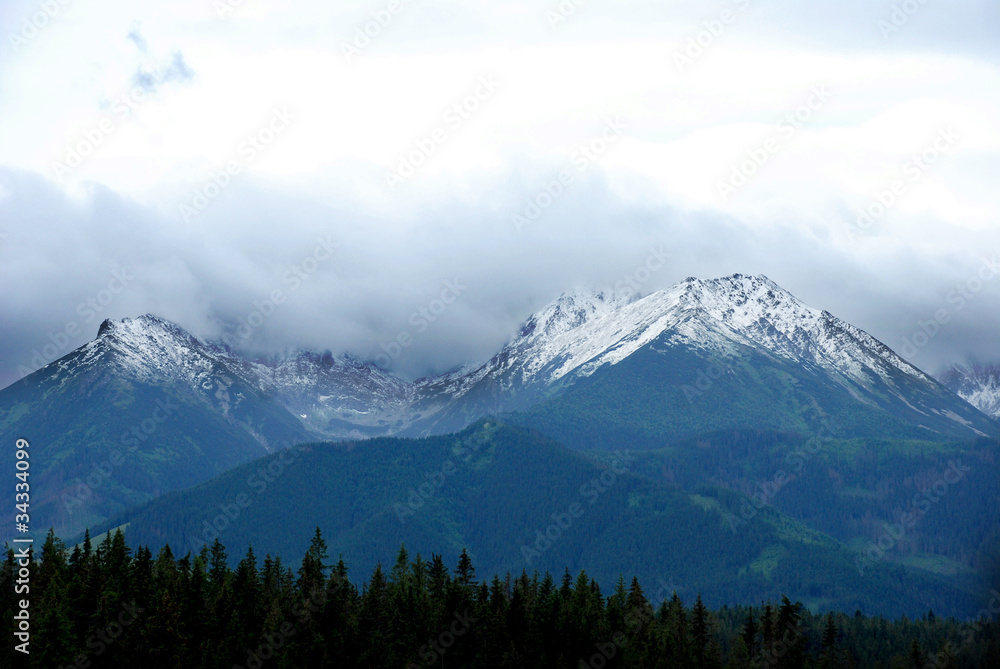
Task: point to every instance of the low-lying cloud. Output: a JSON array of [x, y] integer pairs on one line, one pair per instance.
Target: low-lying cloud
[[352, 280]]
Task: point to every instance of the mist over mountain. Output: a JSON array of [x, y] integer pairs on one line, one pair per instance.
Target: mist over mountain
[[607, 301], [146, 407], [976, 383]]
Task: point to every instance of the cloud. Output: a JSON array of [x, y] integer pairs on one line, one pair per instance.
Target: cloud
[[175, 70], [351, 123], [387, 271], [136, 38], [151, 77]]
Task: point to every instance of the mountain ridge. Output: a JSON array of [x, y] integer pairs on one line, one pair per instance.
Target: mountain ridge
[[569, 339], [553, 507], [590, 369], [976, 383]]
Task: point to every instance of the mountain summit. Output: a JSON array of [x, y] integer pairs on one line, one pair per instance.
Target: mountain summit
[[592, 369], [710, 349], [720, 316]]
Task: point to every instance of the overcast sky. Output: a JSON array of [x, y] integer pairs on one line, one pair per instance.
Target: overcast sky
[[190, 158]]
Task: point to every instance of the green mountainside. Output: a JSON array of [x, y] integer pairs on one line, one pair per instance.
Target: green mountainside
[[518, 501]]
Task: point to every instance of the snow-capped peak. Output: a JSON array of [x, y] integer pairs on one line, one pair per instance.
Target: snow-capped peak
[[583, 330], [572, 309], [148, 347], [978, 384], [574, 336]]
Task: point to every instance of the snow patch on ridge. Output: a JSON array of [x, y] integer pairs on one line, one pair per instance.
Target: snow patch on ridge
[[573, 336], [581, 331], [977, 384]]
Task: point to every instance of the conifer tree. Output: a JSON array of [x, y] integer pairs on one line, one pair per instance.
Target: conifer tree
[[699, 632], [749, 635], [52, 612]]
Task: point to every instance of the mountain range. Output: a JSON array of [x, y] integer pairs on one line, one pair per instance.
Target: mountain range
[[688, 376], [519, 501]]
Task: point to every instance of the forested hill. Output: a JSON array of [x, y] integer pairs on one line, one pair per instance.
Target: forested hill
[[110, 606], [517, 500]]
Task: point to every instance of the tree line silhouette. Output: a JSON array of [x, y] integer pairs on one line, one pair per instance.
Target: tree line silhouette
[[110, 606]]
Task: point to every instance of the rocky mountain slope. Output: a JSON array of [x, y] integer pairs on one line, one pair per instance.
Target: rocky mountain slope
[[977, 384], [592, 369]]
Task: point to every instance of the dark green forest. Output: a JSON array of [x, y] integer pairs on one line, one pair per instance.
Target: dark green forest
[[870, 483], [689, 514], [112, 606]]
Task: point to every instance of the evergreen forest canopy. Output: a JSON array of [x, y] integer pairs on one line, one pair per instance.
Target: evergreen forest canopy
[[112, 606]]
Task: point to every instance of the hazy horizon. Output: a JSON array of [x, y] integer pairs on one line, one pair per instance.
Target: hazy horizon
[[189, 161]]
